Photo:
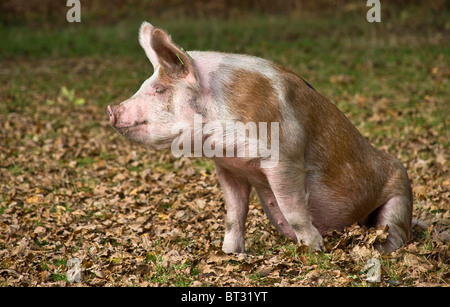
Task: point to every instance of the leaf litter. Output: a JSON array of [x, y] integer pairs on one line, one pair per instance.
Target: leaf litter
[[73, 188]]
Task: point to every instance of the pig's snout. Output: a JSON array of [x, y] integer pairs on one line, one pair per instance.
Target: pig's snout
[[110, 110], [112, 118], [128, 121]]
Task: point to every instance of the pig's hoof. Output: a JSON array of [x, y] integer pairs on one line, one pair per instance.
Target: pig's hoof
[[314, 240], [317, 245], [233, 243], [233, 248]]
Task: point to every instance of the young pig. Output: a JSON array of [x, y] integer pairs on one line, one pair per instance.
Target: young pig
[[323, 174]]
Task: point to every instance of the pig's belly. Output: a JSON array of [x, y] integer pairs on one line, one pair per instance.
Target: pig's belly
[[247, 168]]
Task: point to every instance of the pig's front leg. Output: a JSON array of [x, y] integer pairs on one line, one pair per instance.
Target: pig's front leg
[[236, 191], [288, 186]]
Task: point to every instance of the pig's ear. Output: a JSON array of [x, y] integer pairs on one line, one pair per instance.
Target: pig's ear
[[145, 33], [176, 62], [162, 51]]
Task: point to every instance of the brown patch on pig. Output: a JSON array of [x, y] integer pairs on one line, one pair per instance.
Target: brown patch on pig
[[164, 78], [252, 98], [346, 178], [164, 81]]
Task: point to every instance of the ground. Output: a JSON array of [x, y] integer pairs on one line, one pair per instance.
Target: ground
[[73, 188]]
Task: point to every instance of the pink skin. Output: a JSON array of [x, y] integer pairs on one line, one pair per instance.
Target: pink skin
[[236, 191], [134, 123], [280, 201], [300, 198]]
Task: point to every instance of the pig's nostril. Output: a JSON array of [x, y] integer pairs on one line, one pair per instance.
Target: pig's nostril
[[110, 110]]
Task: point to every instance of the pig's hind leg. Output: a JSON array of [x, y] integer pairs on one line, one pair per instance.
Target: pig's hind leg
[[396, 214], [273, 212], [288, 185]]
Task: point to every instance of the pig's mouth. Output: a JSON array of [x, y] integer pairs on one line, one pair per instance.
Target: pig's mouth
[[124, 129]]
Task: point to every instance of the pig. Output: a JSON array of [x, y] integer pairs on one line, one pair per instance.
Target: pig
[[327, 175]]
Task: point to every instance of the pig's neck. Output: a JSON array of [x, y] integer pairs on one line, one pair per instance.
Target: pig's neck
[[206, 63]]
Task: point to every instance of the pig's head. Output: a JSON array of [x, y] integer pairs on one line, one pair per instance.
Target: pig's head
[[164, 99]]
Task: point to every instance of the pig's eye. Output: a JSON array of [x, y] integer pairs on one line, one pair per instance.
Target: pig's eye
[[160, 89]]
